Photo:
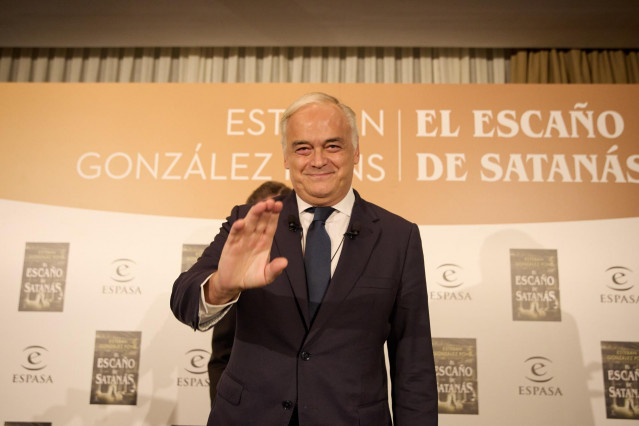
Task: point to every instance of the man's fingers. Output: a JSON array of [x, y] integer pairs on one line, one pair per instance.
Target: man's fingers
[[253, 216], [244, 258], [271, 224], [256, 215], [274, 268], [251, 223], [262, 214], [236, 231]]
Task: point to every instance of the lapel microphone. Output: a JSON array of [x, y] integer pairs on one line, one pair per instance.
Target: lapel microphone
[[354, 232], [293, 223]]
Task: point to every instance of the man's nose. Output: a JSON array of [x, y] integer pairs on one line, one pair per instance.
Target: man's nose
[[319, 158]]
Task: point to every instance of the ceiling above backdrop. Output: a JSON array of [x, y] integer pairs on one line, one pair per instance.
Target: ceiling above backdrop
[[610, 24]]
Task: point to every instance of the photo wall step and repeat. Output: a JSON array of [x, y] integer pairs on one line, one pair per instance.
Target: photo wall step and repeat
[[526, 197]]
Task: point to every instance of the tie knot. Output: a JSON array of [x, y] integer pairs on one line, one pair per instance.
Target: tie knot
[[320, 213]]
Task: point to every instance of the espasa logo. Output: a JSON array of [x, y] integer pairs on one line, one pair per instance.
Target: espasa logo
[[196, 364], [34, 358], [34, 362], [450, 277], [123, 272], [197, 360], [620, 280], [539, 370]]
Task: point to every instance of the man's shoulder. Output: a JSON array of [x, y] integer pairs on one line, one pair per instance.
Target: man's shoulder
[[381, 213]]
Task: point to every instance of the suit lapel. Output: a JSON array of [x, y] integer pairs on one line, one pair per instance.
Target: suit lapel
[[287, 243], [352, 262]]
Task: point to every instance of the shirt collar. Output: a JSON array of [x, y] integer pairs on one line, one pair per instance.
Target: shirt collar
[[345, 206]]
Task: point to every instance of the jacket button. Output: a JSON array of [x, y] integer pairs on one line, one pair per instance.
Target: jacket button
[[287, 405], [305, 356]]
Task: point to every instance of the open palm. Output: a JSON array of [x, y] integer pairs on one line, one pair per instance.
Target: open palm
[[245, 260]]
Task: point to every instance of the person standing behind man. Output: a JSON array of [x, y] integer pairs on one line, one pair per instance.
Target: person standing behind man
[[305, 354], [224, 329]]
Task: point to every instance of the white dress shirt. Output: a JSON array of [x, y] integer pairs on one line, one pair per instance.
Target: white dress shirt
[[336, 224]]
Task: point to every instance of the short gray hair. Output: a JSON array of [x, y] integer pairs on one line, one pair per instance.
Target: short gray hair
[[319, 98]]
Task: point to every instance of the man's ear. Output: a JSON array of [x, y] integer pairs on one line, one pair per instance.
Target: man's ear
[[356, 155]]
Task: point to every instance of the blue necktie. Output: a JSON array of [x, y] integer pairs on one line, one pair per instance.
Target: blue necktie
[[317, 257]]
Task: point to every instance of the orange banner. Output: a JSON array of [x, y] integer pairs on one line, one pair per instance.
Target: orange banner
[[435, 154]]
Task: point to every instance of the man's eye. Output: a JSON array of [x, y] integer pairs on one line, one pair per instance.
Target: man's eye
[[302, 150]]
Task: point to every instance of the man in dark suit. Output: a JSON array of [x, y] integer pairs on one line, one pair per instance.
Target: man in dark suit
[[299, 359]]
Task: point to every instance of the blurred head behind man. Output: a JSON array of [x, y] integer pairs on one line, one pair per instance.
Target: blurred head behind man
[[268, 190]]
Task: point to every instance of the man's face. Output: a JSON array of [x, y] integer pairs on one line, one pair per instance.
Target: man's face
[[319, 153]]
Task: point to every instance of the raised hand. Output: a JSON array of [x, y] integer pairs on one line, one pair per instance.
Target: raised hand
[[245, 260]]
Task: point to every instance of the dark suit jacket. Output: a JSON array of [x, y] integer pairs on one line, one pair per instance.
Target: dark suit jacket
[[333, 369], [221, 346]]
